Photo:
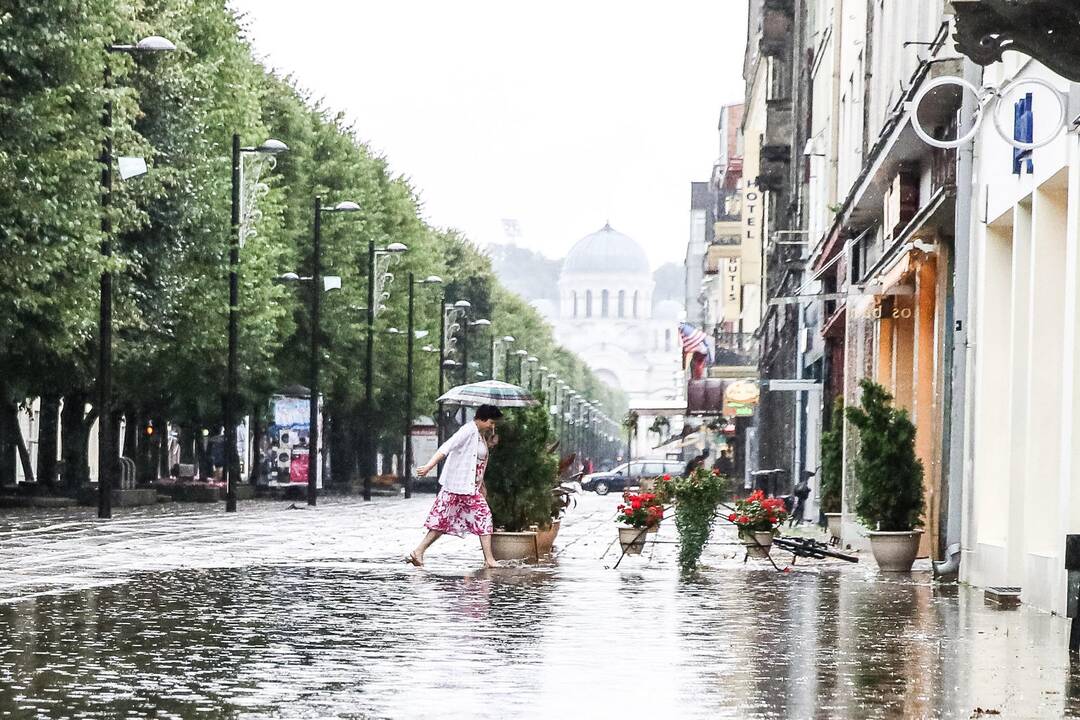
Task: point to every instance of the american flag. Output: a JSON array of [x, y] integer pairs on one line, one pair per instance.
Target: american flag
[[694, 341]]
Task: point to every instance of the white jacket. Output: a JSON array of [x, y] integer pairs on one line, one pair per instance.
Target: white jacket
[[458, 474]]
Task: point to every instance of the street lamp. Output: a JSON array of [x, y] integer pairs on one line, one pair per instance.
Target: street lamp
[[391, 250], [318, 285], [521, 355], [106, 450], [533, 361], [507, 341], [270, 147], [448, 312], [411, 333], [481, 322]]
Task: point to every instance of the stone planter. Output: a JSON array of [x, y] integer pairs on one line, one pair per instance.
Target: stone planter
[[632, 540], [834, 521], [895, 551], [758, 544], [545, 539], [515, 545]]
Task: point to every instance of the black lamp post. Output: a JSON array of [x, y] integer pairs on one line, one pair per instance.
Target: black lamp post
[[369, 360], [232, 462], [411, 336], [448, 312], [106, 451]]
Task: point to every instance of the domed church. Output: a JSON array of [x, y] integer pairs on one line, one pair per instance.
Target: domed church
[[605, 315]]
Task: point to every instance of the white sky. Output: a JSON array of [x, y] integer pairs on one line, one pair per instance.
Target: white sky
[[560, 114]]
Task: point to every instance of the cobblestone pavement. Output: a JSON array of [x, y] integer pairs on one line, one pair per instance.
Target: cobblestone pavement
[[185, 612]]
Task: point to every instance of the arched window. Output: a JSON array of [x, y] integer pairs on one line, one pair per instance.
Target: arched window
[[573, 300], [603, 303], [635, 303], [622, 303], [667, 340], [588, 303]]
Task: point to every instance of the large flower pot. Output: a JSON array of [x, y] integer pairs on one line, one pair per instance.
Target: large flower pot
[[545, 539], [654, 528], [834, 521], [895, 551], [632, 540], [758, 544], [515, 545]]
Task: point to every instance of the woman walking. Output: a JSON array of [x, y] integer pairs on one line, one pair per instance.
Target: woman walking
[[461, 506]]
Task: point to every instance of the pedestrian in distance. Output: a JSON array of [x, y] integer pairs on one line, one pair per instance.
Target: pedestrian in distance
[[697, 462], [461, 506]]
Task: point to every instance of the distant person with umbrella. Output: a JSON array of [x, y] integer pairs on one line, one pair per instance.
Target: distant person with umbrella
[[461, 506]]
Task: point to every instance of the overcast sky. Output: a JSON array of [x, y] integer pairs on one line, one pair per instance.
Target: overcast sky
[[559, 114]]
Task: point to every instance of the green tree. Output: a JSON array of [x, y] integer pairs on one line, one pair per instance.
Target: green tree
[[832, 460]]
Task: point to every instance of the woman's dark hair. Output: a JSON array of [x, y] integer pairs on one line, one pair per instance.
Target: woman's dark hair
[[488, 412]]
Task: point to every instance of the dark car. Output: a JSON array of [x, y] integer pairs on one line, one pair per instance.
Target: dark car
[[629, 474]]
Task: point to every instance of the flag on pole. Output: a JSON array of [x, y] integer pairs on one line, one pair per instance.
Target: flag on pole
[[697, 351]]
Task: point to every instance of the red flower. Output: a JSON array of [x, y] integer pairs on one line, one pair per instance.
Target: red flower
[[667, 477], [731, 517]]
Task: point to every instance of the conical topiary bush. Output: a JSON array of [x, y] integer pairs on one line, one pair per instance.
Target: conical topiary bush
[[890, 476]]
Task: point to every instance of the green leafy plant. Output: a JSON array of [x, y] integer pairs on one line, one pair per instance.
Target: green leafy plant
[[522, 471], [696, 498], [889, 474], [832, 460]]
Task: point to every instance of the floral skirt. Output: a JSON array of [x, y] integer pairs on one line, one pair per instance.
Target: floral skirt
[[459, 515]]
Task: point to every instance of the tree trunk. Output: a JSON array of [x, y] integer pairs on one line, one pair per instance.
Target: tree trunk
[[47, 440], [75, 441]]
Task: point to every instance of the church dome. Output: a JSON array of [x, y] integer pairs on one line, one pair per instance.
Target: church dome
[[606, 251]]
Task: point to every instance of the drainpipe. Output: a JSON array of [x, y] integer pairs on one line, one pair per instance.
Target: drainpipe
[[956, 462]]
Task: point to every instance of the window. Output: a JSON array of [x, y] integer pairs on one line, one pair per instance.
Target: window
[[588, 303], [604, 303], [573, 296], [654, 469], [667, 340], [622, 303], [635, 303]]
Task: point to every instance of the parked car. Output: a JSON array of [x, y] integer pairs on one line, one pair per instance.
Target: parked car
[[629, 474]]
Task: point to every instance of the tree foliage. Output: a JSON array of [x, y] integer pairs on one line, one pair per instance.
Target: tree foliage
[[889, 475], [832, 460], [522, 471], [171, 231]]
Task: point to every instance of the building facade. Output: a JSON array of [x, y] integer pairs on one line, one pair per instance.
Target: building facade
[[606, 316]]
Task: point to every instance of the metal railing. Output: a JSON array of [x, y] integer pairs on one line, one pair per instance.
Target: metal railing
[[735, 348]]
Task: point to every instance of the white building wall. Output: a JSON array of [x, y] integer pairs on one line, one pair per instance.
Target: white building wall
[[1024, 435]]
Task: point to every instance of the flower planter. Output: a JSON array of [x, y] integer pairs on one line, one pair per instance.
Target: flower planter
[[895, 551], [834, 521], [515, 545], [654, 528], [758, 544], [632, 540], [545, 539]]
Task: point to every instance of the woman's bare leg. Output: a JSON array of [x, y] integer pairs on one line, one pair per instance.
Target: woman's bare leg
[[431, 537], [489, 559]]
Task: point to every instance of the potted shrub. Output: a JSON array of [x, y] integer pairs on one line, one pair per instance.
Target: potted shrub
[[890, 477], [520, 478], [832, 469], [696, 499], [758, 519]]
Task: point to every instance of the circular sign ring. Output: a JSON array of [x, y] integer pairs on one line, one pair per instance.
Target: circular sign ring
[[913, 106], [1060, 122]]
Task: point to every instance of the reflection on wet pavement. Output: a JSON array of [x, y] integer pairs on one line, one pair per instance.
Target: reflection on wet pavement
[[355, 635]]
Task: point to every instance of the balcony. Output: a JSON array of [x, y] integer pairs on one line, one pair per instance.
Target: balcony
[[736, 355]]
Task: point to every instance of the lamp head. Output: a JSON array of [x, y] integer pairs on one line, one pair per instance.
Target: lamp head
[[155, 44], [272, 147]]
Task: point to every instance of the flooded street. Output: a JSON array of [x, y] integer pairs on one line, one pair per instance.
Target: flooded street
[[279, 613]]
